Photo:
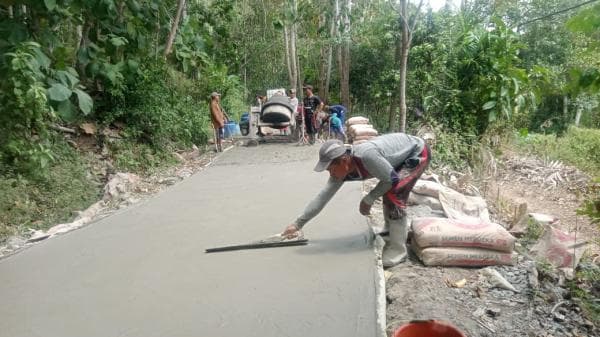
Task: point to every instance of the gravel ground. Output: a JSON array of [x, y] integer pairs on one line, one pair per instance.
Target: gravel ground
[[541, 307]]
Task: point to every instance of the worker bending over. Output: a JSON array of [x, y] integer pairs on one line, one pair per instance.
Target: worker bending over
[[397, 160]]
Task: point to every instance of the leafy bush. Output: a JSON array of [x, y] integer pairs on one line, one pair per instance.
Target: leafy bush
[[29, 97], [451, 148], [45, 200], [161, 107], [140, 158], [24, 109]]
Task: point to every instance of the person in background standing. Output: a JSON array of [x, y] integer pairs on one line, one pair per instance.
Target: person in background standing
[[312, 106], [294, 104], [336, 127], [218, 119], [339, 109], [294, 101]]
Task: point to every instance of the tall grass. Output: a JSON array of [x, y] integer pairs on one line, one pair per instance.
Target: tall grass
[[578, 147]]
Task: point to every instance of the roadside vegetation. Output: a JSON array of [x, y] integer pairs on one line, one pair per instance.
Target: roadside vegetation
[[94, 87], [123, 84]]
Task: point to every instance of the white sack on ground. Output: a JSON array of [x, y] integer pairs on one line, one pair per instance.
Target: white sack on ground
[[420, 199], [473, 257], [428, 187], [441, 232], [462, 207], [543, 219], [496, 279], [559, 248], [357, 120]]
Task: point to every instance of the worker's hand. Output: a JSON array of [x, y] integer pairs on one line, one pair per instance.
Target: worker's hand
[[364, 208], [291, 232]]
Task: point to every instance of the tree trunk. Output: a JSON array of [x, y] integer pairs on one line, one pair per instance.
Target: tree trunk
[[403, 64], [173, 32], [322, 59], [566, 108], [291, 52], [300, 76], [578, 117], [333, 33], [294, 56], [406, 40], [79, 33], [288, 54], [345, 57], [394, 99]]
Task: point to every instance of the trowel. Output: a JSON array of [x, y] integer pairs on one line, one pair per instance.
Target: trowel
[[269, 242]]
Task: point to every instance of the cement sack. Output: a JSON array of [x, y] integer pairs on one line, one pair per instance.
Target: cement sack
[[356, 142], [441, 232], [559, 248], [353, 128], [463, 257], [366, 133], [363, 138], [362, 131], [462, 207], [428, 187], [420, 199], [357, 120]]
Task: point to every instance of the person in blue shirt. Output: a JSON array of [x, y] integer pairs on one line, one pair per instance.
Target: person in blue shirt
[[339, 109], [337, 127]]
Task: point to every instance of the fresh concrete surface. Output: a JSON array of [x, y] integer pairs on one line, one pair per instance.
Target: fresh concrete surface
[[143, 272]]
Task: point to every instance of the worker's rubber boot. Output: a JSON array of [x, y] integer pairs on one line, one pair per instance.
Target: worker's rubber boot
[[394, 251], [387, 218]]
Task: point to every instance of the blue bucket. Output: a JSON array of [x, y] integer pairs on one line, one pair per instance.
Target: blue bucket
[[231, 129]]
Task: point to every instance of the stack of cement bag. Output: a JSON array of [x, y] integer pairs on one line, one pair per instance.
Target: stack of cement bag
[[465, 237], [359, 130]]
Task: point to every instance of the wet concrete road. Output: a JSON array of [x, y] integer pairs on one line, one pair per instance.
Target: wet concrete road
[[143, 272]]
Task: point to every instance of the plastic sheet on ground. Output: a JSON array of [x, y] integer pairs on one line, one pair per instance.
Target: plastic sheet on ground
[[461, 207], [561, 249]]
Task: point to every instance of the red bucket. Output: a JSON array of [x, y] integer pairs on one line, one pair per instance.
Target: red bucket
[[429, 328]]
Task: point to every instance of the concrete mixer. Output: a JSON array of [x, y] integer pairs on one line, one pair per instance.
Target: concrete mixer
[[273, 118]]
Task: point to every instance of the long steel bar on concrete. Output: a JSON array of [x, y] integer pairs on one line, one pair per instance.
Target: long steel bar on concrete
[[143, 272]]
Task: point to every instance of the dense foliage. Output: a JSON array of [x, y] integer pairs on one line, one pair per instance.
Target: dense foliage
[[489, 67], [102, 60]]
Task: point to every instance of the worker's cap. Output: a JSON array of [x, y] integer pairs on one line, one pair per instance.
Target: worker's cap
[[329, 151], [214, 94], [307, 86]]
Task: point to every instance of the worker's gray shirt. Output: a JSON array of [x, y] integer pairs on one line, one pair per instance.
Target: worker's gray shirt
[[380, 157]]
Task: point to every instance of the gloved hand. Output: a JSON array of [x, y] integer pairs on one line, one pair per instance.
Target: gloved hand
[[364, 208], [291, 232]]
